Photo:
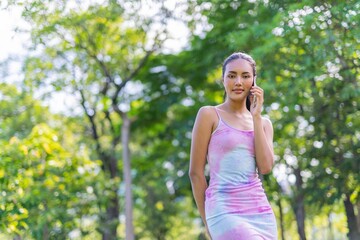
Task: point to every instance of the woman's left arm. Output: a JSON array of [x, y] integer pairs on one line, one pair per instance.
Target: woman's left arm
[[263, 133]]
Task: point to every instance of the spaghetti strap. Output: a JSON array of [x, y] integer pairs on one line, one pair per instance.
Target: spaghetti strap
[[246, 213], [217, 113]]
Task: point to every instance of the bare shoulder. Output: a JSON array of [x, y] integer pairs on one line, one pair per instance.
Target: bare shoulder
[[206, 116], [267, 124], [207, 111]]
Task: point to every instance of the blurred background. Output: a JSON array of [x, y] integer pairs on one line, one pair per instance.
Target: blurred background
[[98, 99]]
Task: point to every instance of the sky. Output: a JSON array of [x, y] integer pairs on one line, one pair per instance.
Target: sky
[[9, 43], [13, 44]]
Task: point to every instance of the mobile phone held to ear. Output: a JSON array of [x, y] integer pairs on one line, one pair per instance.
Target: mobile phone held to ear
[[248, 102], [254, 84]]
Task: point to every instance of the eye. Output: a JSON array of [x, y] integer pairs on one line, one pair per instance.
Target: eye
[[231, 76], [246, 76]]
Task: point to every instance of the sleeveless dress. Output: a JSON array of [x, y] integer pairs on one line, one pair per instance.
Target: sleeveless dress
[[236, 206]]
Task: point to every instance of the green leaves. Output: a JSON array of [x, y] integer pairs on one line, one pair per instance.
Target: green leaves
[[307, 58], [38, 184], [308, 69]]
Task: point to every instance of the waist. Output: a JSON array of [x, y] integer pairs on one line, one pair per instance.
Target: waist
[[234, 188], [243, 199], [228, 180]]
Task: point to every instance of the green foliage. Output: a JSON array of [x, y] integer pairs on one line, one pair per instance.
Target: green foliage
[[19, 112], [46, 189], [308, 65], [307, 57]]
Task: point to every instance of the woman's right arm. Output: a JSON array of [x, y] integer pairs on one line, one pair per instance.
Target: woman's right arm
[[199, 146]]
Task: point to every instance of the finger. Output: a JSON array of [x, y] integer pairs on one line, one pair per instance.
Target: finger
[[257, 94], [256, 89], [253, 88], [251, 98]]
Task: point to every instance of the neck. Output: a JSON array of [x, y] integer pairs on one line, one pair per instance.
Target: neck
[[235, 107]]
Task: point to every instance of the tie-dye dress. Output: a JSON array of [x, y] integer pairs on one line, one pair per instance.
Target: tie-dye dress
[[236, 206]]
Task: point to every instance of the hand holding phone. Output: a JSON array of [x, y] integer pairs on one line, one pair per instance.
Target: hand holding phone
[[254, 99]]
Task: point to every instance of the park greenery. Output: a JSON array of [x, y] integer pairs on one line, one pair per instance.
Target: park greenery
[[114, 164]]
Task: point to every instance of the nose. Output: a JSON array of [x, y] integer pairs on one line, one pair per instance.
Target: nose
[[238, 80]]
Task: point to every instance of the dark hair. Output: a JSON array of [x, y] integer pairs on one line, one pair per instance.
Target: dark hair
[[240, 55]]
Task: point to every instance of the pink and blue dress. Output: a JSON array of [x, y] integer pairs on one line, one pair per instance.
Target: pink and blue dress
[[236, 206]]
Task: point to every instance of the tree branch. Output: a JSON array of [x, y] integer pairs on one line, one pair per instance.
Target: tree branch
[[120, 86]]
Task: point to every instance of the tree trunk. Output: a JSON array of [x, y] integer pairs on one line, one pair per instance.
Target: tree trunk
[[330, 226], [112, 218], [125, 138], [109, 231], [299, 205], [45, 232], [351, 219], [358, 215], [300, 217], [281, 218]]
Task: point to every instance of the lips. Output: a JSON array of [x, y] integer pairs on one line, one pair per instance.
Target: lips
[[238, 90]]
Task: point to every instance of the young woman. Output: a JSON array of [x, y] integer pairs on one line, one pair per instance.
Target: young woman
[[237, 142]]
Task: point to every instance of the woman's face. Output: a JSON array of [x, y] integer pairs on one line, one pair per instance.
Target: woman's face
[[238, 79]]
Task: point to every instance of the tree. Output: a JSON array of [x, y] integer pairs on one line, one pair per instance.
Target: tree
[[327, 75], [44, 190], [20, 112], [95, 53], [299, 68], [38, 168]]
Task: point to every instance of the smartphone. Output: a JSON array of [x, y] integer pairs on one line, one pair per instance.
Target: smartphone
[[254, 84], [248, 102]]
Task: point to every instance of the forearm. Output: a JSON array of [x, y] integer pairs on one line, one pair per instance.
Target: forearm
[[199, 186], [263, 151]]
